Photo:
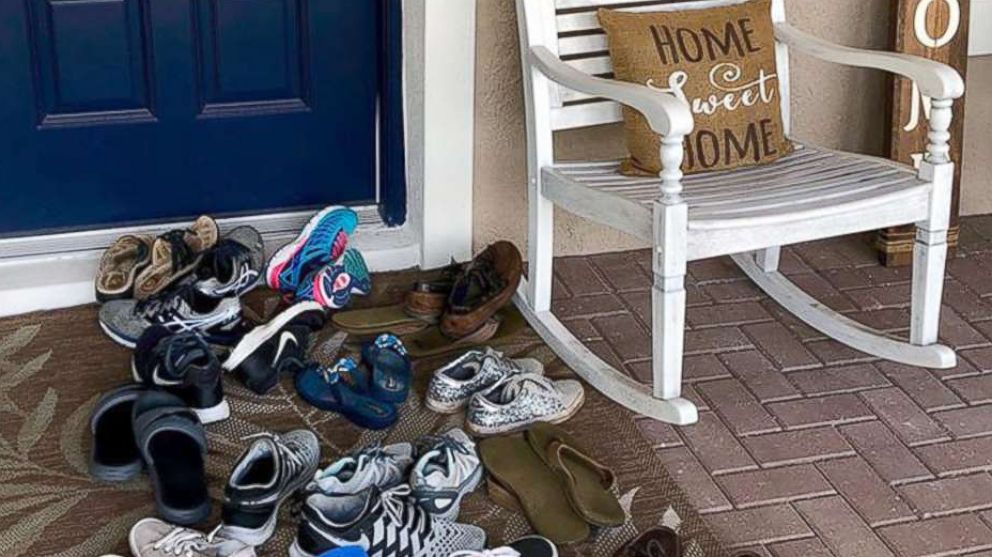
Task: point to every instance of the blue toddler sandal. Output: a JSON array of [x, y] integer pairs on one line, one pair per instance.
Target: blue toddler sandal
[[390, 368], [340, 388]]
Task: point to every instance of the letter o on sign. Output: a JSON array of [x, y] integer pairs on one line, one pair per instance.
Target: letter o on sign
[[953, 23]]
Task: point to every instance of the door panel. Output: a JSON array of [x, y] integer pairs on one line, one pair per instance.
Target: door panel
[[118, 111]]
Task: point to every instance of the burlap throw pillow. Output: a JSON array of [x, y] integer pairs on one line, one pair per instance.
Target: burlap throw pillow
[[722, 62]]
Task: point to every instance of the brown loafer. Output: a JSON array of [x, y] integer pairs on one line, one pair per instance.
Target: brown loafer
[[482, 288], [656, 542]]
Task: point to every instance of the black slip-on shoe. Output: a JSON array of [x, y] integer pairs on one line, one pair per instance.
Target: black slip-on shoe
[[173, 446], [114, 456]]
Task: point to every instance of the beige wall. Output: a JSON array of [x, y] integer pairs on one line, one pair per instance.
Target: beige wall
[[833, 106]]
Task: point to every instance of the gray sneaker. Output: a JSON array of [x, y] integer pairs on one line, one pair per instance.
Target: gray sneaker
[[382, 467], [273, 468], [453, 385], [523, 400], [448, 469], [152, 537], [181, 309]]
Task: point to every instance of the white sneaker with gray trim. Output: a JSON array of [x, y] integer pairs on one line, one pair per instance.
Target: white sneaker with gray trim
[[448, 469], [382, 467], [152, 537]]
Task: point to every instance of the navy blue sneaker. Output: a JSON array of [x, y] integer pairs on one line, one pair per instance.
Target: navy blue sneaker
[[341, 389], [321, 241], [390, 368]]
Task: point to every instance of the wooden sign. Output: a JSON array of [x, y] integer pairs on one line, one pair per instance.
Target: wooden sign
[[935, 29]]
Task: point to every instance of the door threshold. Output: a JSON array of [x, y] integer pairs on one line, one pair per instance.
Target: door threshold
[[56, 271]]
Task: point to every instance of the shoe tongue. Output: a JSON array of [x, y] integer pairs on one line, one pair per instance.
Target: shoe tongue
[[161, 250]]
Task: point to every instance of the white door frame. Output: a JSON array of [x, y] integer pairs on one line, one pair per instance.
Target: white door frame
[[54, 271]]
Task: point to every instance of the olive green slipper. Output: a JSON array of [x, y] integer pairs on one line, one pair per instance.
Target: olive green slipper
[[519, 480], [585, 481]]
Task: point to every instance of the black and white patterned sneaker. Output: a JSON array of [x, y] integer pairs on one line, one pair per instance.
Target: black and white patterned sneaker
[[523, 400], [383, 523], [273, 468], [453, 385], [448, 469], [181, 309], [184, 365], [234, 266]]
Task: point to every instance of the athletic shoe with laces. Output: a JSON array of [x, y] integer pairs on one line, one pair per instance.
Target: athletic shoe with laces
[[448, 469], [234, 266], [354, 264], [527, 546], [522, 400], [273, 468], [181, 309], [383, 523], [382, 467], [453, 385], [320, 242], [152, 537], [184, 365]]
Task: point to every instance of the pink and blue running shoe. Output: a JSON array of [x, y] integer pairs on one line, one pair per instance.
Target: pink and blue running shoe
[[321, 241], [329, 287], [354, 265]]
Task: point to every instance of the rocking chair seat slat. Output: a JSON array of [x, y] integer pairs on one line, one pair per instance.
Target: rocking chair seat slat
[[811, 183]]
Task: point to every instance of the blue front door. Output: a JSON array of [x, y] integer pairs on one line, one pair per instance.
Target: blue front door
[[117, 111]]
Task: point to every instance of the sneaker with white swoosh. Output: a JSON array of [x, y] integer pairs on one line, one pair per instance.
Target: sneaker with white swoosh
[[184, 365], [383, 523], [279, 346]]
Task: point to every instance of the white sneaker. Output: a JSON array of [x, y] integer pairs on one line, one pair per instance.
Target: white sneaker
[[446, 471], [152, 537], [383, 467], [522, 400]]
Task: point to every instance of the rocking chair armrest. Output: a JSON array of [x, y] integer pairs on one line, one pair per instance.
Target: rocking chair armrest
[[665, 114], [936, 80]]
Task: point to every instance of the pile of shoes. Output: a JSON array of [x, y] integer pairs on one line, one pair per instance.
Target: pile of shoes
[[366, 392], [462, 308], [184, 280], [394, 500], [501, 395]]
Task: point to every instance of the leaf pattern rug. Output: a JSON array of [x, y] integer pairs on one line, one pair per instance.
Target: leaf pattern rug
[[55, 365]]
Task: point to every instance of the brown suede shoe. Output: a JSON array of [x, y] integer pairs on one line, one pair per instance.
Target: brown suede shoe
[[656, 542], [482, 288]]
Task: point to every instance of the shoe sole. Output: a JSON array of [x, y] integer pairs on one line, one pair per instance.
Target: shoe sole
[[563, 416], [260, 335], [126, 343], [445, 408], [287, 252], [258, 536]]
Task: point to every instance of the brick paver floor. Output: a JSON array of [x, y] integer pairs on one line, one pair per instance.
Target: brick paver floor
[[805, 447]]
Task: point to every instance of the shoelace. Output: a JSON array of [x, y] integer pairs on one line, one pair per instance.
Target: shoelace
[[443, 442], [181, 541], [516, 383], [497, 552], [395, 502], [162, 305]]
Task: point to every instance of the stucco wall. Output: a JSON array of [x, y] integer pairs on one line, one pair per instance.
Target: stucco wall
[[833, 106]]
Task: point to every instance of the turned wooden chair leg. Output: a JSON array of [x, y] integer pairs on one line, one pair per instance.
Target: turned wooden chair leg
[[668, 299]]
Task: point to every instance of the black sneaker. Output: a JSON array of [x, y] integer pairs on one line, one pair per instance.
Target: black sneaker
[[234, 266], [383, 523], [273, 468], [184, 365], [276, 347]]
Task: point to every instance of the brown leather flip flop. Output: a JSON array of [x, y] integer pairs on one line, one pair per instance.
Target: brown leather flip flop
[[656, 542], [519, 480], [374, 321], [586, 482]]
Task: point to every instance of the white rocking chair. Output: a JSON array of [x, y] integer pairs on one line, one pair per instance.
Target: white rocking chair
[[812, 194]]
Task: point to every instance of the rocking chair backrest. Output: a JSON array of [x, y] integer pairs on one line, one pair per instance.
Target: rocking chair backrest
[[571, 29]]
